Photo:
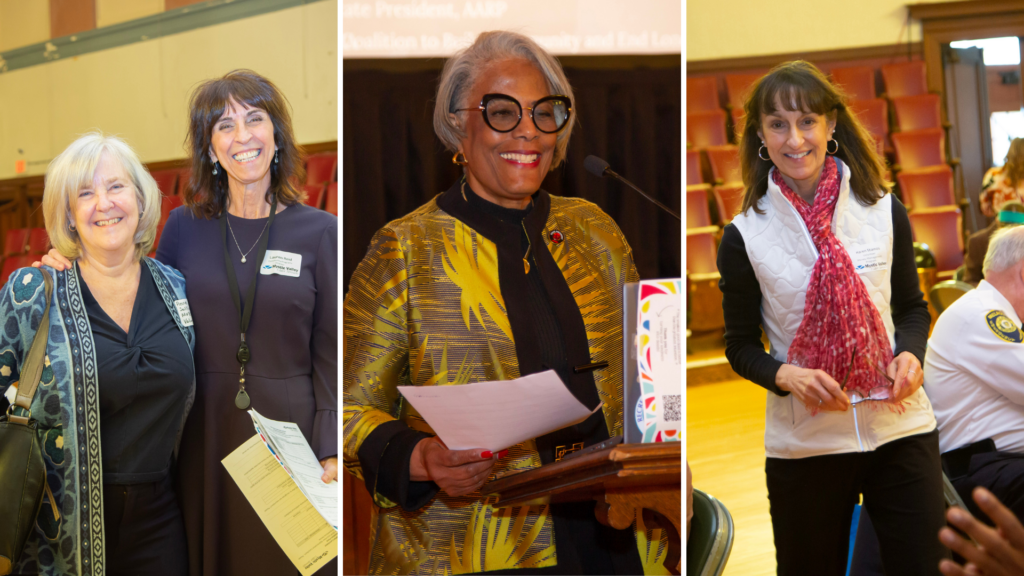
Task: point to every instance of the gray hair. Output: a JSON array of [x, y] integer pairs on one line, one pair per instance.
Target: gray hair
[[461, 70], [1005, 250], [73, 170]]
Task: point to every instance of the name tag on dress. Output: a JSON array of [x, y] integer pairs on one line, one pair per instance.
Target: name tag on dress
[[869, 257], [283, 263], [183, 312]]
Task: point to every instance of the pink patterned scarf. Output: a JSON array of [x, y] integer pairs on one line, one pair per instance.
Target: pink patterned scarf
[[839, 316]]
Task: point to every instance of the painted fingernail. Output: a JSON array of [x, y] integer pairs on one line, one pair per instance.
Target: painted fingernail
[[486, 454], [503, 453]]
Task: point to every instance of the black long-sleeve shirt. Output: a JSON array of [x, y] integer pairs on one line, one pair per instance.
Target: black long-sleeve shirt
[[741, 302]]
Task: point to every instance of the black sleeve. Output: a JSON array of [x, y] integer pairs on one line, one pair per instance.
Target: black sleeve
[[384, 457], [741, 303], [909, 309]]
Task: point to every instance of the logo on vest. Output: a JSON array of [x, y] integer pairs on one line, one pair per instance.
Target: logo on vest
[[1001, 325]]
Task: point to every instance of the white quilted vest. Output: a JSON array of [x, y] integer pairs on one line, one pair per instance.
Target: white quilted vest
[[782, 254]]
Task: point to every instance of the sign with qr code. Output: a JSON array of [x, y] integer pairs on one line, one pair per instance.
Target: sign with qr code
[[659, 341]]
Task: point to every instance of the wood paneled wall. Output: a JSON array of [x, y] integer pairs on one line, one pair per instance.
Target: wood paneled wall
[[69, 17]]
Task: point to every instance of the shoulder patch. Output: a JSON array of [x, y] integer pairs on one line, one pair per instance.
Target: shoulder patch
[[1001, 325]]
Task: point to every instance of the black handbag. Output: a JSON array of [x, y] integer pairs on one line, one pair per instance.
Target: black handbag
[[22, 472]]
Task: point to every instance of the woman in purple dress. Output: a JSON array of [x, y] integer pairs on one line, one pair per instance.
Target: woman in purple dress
[[274, 351]]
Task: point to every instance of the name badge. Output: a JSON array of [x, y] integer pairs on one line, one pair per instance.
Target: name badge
[[183, 312], [869, 257], [283, 263]]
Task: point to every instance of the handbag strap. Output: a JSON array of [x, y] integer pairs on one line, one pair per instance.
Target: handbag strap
[[32, 369]]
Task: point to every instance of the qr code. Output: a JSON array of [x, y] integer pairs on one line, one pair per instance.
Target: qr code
[[672, 404]]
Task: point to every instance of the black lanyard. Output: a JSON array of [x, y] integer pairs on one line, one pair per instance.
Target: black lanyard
[[244, 315]]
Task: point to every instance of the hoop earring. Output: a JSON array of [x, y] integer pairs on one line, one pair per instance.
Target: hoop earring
[[72, 227], [762, 157], [832, 151], [214, 168], [455, 159]]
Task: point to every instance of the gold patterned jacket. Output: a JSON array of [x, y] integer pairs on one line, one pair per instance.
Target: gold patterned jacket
[[435, 303]]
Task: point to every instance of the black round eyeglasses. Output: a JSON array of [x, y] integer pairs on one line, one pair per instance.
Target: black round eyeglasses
[[503, 112]]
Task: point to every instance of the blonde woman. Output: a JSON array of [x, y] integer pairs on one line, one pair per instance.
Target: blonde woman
[[1005, 183], [118, 378]]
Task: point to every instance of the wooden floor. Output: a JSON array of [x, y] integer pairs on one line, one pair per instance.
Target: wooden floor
[[725, 450]]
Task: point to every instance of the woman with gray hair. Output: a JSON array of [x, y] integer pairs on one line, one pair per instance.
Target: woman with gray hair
[[118, 378], [491, 280]]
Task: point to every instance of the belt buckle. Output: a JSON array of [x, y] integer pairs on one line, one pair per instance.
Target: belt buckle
[[563, 451]]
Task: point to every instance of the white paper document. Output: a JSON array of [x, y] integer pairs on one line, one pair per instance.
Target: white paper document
[[496, 415], [289, 446]]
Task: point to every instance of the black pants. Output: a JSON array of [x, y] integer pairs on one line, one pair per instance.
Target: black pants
[[1002, 473], [144, 530], [812, 503]]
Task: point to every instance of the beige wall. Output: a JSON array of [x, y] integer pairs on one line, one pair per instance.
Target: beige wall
[[109, 12], [140, 91], [735, 28], [23, 22]]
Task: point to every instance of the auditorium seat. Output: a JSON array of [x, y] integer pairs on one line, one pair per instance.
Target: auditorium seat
[[697, 213], [737, 85], [725, 163], [702, 272], [321, 168], [331, 202], [701, 250], [939, 228], [16, 242], [927, 187], [693, 172], [702, 94], [905, 79], [874, 115], [38, 241], [315, 195], [858, 82], [705, 129], [167, 204], [13, 262], [729, 200], [917, 112], [166, 181], [919, 148]]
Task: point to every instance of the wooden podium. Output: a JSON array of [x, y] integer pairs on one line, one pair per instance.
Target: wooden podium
[[622, 479]]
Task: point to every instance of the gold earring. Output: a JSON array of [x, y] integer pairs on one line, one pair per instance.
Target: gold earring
[[455, 159]]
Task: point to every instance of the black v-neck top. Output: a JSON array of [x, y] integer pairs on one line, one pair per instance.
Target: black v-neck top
[[144, 379]]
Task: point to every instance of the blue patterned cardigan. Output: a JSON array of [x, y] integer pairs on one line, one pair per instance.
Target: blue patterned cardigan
[[67, 407]]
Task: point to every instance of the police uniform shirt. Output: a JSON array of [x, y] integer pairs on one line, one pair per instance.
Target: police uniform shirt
[[974, 372]]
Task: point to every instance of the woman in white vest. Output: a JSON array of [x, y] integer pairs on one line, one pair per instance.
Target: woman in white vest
[[821, 257]]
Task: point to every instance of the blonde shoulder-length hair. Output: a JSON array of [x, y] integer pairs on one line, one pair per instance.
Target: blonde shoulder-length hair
[[73, 170]]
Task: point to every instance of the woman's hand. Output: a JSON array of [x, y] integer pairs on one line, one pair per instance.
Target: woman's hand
[[907, 375], [457, 472], [330, 469], [999, 552], [815, 388], [54, 260]]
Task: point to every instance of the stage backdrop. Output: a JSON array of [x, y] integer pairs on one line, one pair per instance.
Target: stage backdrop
[[628, 113]]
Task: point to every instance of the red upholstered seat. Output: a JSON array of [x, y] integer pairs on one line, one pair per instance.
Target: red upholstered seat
[[693, 173], [874, 115], [920, 148], [917, 112], [737, 85], [705, 129], [166, 181], [697, 213], [701, 94], [927, 187], [16, 241], [331, 202], [38, 241], [701, 250], [905, 79], [939, 228], [857, 81], [725, 163], [315, 194], [321, 168], [728, 199]]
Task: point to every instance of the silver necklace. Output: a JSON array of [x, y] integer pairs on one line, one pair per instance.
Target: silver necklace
[[246, 253]]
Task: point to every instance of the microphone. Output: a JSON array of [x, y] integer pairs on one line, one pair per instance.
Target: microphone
[[600, 168]]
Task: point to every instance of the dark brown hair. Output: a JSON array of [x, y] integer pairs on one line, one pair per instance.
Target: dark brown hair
[[206, 194], [1014, 166], [800, 86]]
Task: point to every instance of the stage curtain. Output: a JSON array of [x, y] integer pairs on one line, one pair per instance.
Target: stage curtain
[[630, 115]]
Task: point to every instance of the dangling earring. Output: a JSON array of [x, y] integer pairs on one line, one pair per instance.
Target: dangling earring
[[765, 149], [276, 159], [214, 168], [455, 159], [72, 226], [832, 151]]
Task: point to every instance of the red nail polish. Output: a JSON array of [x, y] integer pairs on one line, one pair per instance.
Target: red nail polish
[[503, 453], [486, 454]]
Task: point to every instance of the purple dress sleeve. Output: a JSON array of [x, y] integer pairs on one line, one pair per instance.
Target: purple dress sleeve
[[324, 346]]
